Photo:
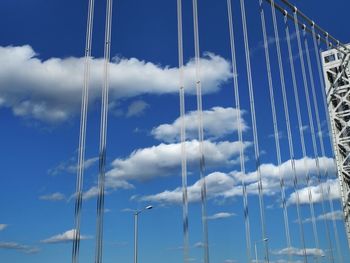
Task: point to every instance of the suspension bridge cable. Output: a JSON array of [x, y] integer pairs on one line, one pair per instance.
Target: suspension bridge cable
[[283, 11], [103, 133], [289, 133], [317, 55], [82, 132], [254, 124], [307, 19], [301, 132], [200, 134], [314, 143], [239, 129], [183, 135], [317, 43], [300, 123], [322, 149], [276, 131]]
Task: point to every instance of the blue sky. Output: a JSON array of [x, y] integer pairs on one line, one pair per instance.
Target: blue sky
[[41, 70]]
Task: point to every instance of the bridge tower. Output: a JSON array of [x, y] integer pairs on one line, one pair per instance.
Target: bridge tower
[[336, 70]]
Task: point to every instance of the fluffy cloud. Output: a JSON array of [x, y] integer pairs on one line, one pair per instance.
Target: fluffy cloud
[[223, 185], [53, 197], [303, 166], [316, 192], [3, 226], [115, 184], [217, 122], [71, 166], [300, 252], [337, 215], [19, 247], [220, 216], [50, 90], [66, 237], [164, 159], [112, 185], [218, 185], [136, 108]]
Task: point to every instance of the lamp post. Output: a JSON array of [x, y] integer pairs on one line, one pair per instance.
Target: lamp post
[[136, 217], [256, 250]]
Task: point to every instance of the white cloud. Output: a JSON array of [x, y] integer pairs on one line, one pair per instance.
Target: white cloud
[[337, 215], [71, 166], [137, 108], [50, 90], [220, 216], [19, 247], [217, 122], [3, 226], [164, 159], [218, 184], [53, 197], [300, 252], [316, 192], [228, 185], [111, 185], [66, 237]]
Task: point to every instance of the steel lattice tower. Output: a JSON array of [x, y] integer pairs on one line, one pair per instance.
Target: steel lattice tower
[[336, 70]]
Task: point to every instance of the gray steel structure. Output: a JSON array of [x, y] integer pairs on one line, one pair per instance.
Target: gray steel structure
[[336, 71]]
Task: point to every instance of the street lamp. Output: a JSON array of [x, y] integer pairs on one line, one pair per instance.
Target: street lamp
[[256, 251], [136, 217]]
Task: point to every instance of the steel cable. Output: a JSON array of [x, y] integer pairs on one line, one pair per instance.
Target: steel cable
[[289, 133], [275, 127], [103, 134], [310, 118], [82, 133], [239, 129], [301, 131], [254, 124], [183, 135], [312, 82], [302, 140], [200, 134], [323, 91]]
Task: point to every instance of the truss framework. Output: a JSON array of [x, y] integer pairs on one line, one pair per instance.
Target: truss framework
[[336, 70]]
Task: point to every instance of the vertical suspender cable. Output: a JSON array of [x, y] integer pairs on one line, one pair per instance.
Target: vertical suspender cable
[[335, 229], [200, 133], [310, 117], [323, 89], [319, 130], [82, 133], [239, 130], [254, 124], [103, 133], [300, 125], [276, 132], [183, 135], [287, 117]]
